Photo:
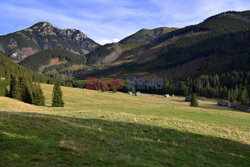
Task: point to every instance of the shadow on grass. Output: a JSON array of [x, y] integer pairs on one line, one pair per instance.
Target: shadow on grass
[[216, 107], [28, 139]]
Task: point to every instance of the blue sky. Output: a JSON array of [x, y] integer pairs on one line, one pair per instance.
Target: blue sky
[[111, 20]]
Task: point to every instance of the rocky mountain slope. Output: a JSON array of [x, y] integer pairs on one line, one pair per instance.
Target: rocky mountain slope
[[44, 35]]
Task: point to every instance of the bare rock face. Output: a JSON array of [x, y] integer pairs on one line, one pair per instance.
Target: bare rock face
[[73, 34], [44, 35], [44, 29]]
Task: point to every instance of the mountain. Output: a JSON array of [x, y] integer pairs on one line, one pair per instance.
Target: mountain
[[110, 52], [145, 35], [218, 44], [44, 35], [55, 63]]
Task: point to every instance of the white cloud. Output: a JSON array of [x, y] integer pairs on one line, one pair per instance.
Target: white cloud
[[93, 29], [106, 20], [106, 41]]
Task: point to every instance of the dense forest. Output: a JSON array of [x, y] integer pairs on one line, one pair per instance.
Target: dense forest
[[9, 68], [54, 63], [230, 86]]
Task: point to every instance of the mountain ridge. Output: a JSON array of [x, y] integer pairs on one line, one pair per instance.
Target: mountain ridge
[[185, 45], [43, 35]]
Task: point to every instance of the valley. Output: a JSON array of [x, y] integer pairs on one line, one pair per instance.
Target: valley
[[105, 129]]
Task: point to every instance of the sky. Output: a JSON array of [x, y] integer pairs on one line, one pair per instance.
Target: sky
[[108, 21]]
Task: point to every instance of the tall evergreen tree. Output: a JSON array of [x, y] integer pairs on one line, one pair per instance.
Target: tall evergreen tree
[[41, 96], [3, 88], [57, 97], [133, 90], [14, 88], [29, 93], [194, 101], [38, 97], [114, 89], [244, 97]]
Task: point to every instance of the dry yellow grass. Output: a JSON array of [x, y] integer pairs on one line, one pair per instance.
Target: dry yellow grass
[[105, 129]]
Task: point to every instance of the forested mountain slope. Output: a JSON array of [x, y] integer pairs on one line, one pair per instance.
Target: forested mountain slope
[[54, 63], [219, 44]]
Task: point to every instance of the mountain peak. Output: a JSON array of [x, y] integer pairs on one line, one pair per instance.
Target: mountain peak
[[43, 35], [43, 23], [44, 28]]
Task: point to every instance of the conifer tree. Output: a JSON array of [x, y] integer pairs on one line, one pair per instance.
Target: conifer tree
[[194, 101], [14, 88], [29, 93], [133, 90], [244, 97], [38, 97], [104, 88], [2, 88], [114, 89], [57, 96], [26, 90], [41, 96]]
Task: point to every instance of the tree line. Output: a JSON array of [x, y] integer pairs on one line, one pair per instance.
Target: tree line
[[23, 89], [231, 86]]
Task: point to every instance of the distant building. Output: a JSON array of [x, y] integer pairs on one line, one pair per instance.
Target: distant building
[[167, 95], [138, 93], [241, 107], [223, 103], [234, 105]]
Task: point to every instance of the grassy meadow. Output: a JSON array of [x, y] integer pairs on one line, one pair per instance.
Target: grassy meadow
[[116, 129]]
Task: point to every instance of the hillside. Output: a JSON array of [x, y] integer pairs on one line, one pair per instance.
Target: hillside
[[44, 35], [8, 68], [146, 35], [54, 63], [110, 52], [111, 129], [219, 44]]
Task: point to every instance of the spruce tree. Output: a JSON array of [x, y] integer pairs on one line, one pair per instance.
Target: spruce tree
[[29, 93], [41, 96], [2, 88], [38, 97], [133, 90], [23, 89], [104, 88], [14, 88], [26, 90], [114, 89], [57, 96], [194, 101], [244, 97]]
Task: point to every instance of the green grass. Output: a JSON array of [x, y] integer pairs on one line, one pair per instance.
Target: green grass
[[115, 129]]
